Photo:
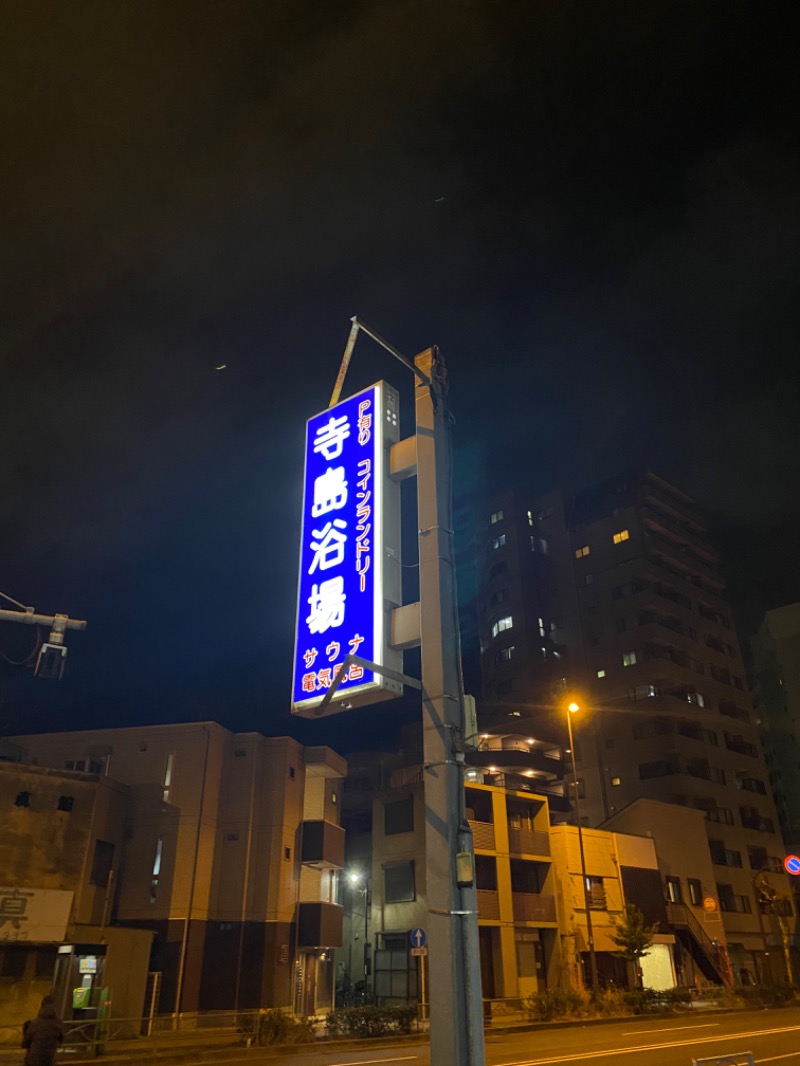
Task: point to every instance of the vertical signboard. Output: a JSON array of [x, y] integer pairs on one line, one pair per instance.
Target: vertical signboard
[[349, 554]]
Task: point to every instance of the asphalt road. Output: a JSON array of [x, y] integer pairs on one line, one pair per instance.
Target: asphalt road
[[772, 1036]]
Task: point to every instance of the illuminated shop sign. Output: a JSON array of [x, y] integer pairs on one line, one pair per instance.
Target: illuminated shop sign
[[349, 553]]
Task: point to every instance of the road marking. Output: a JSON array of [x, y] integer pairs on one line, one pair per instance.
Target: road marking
[[651, 1047], [670, 1029], [367, 1062], [774, 1058], [315, 1051]]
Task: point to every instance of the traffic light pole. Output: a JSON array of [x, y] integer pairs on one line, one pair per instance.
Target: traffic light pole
[[456, 1010]]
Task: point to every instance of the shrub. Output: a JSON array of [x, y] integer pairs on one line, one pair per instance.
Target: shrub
[[370, 1021], [558, 1003], [278, 1027], [766, 995]]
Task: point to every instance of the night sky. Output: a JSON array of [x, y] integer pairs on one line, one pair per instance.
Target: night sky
[[592, 208]]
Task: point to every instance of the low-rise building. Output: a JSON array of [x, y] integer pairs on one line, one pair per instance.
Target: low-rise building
[[229, 855]]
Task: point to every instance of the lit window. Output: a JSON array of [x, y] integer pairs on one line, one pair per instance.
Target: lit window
[[601, 673], [580, 552], [542, 631], [616, 780], [498, 542], [629, 658], [588, 579], [530, 519], [622, 535], [504, 655], [502, 624], [496, 517], [156, 870]]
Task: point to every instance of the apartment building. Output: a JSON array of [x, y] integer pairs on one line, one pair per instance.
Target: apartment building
[[613, 596], [776, 663], [230, 856], [531, 908]]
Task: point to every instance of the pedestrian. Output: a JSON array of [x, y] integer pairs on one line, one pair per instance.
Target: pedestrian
[[42, 1036]]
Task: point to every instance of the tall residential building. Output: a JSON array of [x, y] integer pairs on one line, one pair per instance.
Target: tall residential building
[[776, 661], [614, 596], [230, 856]]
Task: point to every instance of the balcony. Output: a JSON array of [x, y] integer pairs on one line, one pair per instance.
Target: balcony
[[533, 907], [683, 560], [319, 925], [323, 845], [488, 905], [483, 836], [528, 841]]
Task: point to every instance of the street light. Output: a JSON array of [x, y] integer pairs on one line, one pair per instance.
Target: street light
[[573, 708]]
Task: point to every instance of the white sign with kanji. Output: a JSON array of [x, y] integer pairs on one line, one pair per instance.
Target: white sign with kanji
[[33, 915]]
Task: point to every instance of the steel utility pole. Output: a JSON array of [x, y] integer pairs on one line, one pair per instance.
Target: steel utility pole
[[456, 1009]]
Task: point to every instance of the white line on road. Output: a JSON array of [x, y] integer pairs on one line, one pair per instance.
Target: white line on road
[[316, 1051], [670, 1029], [650, 1047], [367, 1062], [774, 1058]]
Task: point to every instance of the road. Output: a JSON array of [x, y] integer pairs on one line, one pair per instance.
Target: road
[[772, 1036]]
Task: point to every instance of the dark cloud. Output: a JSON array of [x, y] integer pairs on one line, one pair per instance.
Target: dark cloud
[[593, 209]]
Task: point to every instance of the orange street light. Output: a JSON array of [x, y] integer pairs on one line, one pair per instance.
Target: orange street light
[[573, 708]]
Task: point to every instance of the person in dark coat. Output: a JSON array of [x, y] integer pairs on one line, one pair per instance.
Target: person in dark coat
[[42, 1035]]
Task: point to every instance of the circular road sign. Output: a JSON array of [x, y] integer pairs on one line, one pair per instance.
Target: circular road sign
[[709, 904], [791, 865]]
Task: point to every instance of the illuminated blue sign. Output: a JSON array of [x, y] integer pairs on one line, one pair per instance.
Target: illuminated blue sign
[[349, 553]]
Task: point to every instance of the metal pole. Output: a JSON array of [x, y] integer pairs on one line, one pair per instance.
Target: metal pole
[[455, 986], [766, 976], [586, 898]]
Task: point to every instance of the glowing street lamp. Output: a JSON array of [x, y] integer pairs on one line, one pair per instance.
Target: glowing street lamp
[[573, 708]]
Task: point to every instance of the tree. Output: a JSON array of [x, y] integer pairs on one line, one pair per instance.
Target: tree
[[633, 936]]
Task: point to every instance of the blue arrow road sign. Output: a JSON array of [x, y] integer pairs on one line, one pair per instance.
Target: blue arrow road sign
[[418, 938]]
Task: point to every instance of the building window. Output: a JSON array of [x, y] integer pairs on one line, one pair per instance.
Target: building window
[[398, 816], [168, 776], [530, 518], [291, 772], [597, 893], [502, 624], [629, 658], [65, 803], [156, 869], [498, 568], [102, 863], [580, 552], [504, 655], [498, 542], [695, 892], [622, 535], [601, 673], [622, 625], [496, 517], [398, 883], [616, 781], [674, 894], [588, 579], [287, 854], [23, 799], [498, 597]]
